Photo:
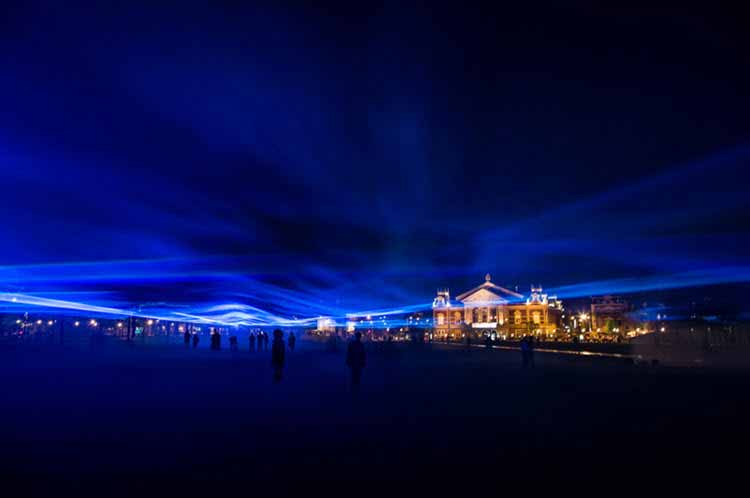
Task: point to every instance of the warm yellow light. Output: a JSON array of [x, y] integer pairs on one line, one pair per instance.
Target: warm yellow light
[[583, 317], [150, 322]]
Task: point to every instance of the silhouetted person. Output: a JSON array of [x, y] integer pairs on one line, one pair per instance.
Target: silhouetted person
[[527, 351], [187, 338], [488, 341], [355, 358], [233, 343], [216, 340], [292, 341], [278, 350], [332, 343], [251, 339], [196, 339], [265, 340], [531, 351]]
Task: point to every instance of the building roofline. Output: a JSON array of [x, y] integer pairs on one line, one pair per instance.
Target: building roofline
[[487, 285]]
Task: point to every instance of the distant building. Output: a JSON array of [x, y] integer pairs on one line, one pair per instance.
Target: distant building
[[400, 325], [326, 324], [610, 314], [490, 308]]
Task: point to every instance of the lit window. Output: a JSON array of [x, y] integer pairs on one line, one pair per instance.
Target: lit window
[[536, 317], [440, 319], [517, 317]]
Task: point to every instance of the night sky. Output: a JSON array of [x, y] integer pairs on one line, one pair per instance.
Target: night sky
[[261, 162]]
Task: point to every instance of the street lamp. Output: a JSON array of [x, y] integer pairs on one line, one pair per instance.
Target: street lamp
[[583, 317]]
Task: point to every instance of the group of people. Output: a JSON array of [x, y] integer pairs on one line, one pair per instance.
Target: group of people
[[190, 338], [261, 340], [355, 353]]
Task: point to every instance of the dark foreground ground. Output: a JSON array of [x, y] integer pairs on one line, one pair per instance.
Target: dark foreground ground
[[170, 422]]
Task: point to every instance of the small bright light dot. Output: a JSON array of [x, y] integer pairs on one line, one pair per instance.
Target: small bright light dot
[[663, 329], [18, 321], [49, 323], [119, 324], [38, 322], [77, 324], [150, 322]]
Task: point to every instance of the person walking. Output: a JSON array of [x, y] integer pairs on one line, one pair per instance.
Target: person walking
[[355, 358], [265, 340], [233, 343], [531, 351], [525, 351], [195, 340], [251, 339], [291, 341], [278, 350], [187, 338]]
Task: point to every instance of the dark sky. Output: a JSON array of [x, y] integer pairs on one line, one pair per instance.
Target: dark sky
[[322, 160]]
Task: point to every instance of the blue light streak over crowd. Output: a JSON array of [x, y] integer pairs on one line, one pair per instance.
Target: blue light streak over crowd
[[264, 167]]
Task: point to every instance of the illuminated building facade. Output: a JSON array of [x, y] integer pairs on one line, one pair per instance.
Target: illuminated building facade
[[490, 308], [609, 314]]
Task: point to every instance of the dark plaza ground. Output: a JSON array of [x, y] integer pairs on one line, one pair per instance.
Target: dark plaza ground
[[165, 421]]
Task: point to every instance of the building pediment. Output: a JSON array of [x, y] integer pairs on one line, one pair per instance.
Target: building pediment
[[482, 296], [488, 287]]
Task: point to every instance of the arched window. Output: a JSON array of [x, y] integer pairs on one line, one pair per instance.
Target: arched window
[[517, 317], [536, 316], [440, 319]]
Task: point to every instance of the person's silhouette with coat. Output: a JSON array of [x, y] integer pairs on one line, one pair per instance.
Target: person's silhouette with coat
[[355, 358], [278, 350]]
